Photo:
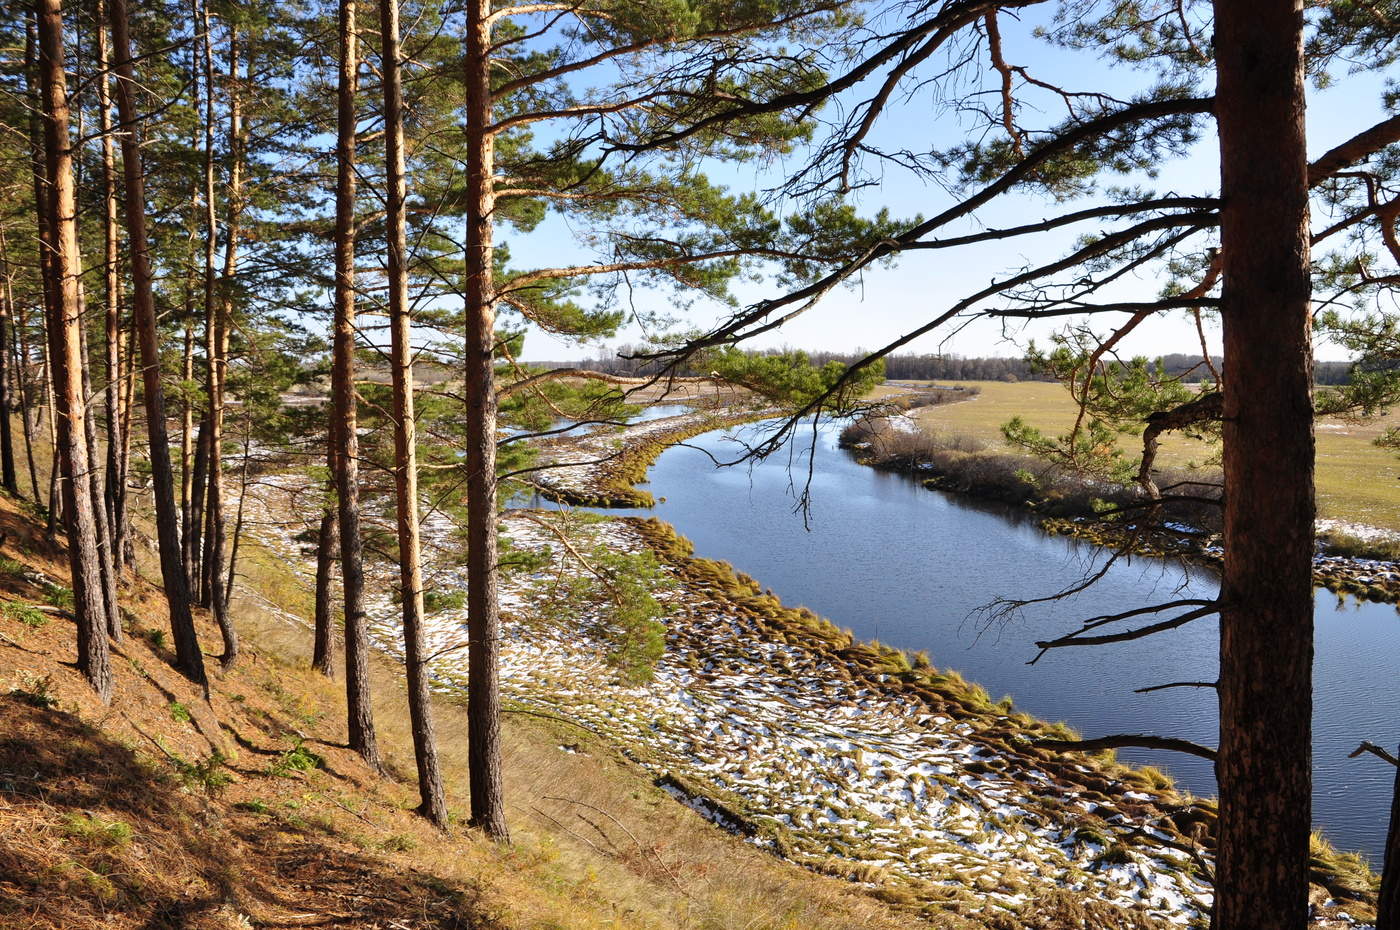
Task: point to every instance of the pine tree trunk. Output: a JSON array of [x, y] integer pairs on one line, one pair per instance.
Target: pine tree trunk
[[116, 487], [1266, 623], [199, 474], [343, 436], [46, 273], [483, 608], [216, 348], [20, 346], [432, 806], [7, 448], [95, 490], [65, 339], [238, 518], [189, 657], [7, 393], [189, 469], [92, 470], [55, 501], [1388, 899], [127, 556], [323, 646]]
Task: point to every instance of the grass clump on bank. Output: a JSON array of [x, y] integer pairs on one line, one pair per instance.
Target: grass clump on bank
[[615, 480], [1346, 545]]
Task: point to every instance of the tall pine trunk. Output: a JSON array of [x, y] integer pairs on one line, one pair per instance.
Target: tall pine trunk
[[7, 379], [1266, 620], [20, 347], [188, 655], [94, 485], [65, 351], [432, 804], [343, 436], [191, 477], [92, 466], [483, 607], [127, 555], [216, 321], [111, 280], [46, 274]]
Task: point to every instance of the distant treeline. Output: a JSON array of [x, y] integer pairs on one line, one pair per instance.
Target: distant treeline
[[912, 367]]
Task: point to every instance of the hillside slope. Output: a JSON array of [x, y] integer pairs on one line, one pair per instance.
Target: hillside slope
[[164, 810]]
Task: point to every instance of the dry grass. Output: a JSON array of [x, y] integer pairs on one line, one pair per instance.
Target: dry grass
[[1356, 481]]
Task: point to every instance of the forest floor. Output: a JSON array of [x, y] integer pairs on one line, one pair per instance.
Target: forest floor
[[851, 759]]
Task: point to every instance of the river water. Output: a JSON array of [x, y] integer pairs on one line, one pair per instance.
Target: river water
[[893, 561]]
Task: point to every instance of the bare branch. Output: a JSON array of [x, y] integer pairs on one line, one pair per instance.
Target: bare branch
[[1373, 749], [1127, 741], [1177, 684]]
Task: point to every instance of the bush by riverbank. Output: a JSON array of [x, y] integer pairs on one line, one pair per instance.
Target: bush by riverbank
[[932, 396], [964, 465]]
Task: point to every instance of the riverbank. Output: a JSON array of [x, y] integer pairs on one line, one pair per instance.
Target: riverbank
[[1357, 482], [1351, 559]]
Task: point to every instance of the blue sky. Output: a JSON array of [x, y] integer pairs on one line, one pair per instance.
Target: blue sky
[[887, 302]]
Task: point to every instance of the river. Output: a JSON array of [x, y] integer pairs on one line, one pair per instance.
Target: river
[[890, 560]]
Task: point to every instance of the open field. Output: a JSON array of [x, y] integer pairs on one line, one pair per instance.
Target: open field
[[1356, 481]]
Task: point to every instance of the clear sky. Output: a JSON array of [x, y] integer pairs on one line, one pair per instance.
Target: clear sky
[[886, 302]]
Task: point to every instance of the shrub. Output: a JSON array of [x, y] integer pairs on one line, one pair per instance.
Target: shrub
[[59, 596], [209, 774], [95, 830], [36, 691], [444, 600], [179, 712], [24, 613], [296, 759]]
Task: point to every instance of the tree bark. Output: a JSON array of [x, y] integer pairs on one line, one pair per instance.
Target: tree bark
[[1266, 622], [323, 646], [483, 608], [188, 655], [65, 340], [433, 805], [343, 436]]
